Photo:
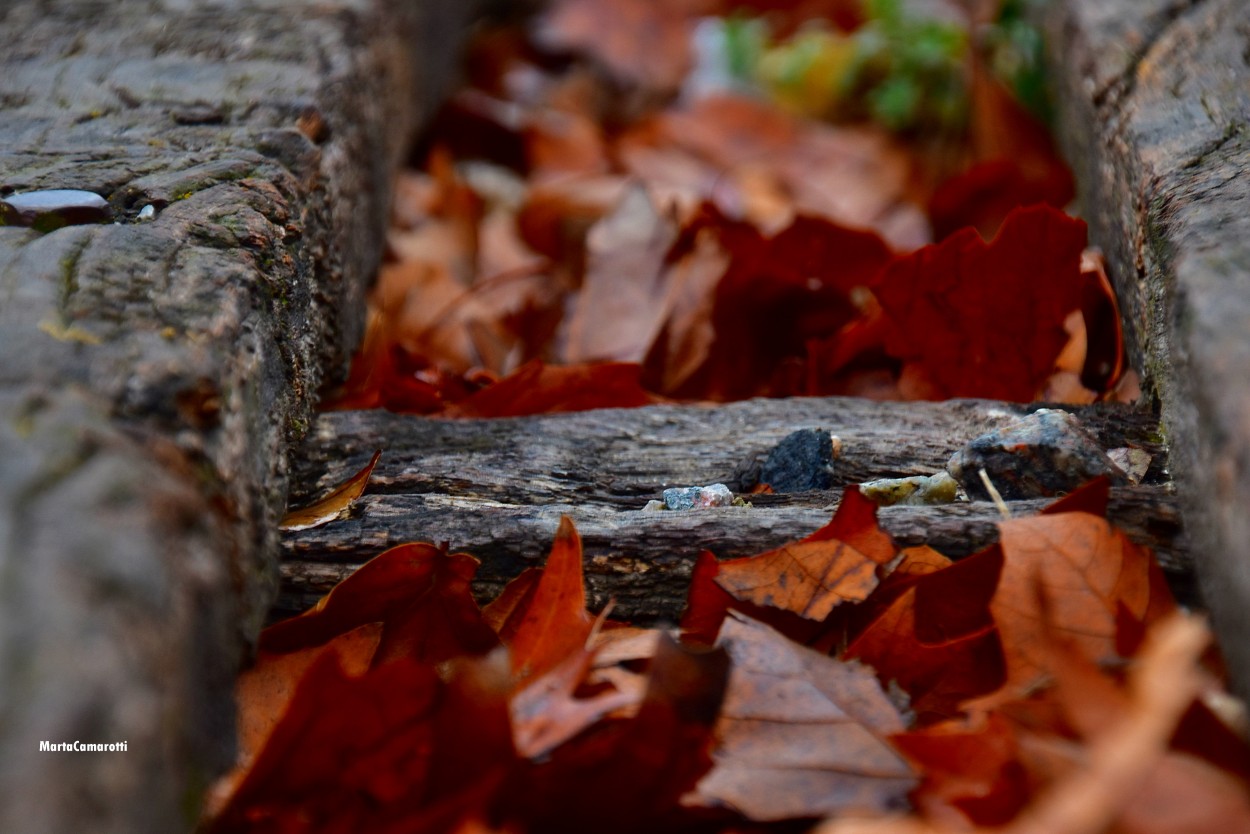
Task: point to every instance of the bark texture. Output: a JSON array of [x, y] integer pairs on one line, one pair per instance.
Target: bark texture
[[497, 488], [153, 371], [1154, 112]]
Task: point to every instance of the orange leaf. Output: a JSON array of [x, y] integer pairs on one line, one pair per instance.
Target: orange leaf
[[835, 564], [555, 623], [973, 766], [505, 611], [333, 505], [800, 734]]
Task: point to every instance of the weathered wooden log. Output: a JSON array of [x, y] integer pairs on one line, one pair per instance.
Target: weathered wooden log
[[153, 368], [497, 489], [1154, 113]]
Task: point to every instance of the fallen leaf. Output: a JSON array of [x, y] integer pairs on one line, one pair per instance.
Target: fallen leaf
[[972, 765], [334, 505], [937, 639], [546, 712], [836, 564], [555, 623], [971, 319], [1105, 786], [504, 612], [800, 734], [1009, 161], [420, 594], [854, 176], [263, 691], [686, 339], [627, 775], [1104, 363], [345, 748], [639, 42], [537, 388], [1071, 572], [622, 301]]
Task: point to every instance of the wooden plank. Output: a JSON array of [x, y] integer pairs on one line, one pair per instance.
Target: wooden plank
[[497, 488]]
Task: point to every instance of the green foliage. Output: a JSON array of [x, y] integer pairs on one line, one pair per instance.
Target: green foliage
[[906, 72]]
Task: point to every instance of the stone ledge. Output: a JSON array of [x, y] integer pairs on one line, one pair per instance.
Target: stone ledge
[[154, 371], [1154, 112]]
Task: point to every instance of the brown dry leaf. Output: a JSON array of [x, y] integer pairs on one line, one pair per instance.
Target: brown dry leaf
[[1075, 574], [623, 299], [557, 215], [639, 42], [334, 505], [1110, 778], [684, 342], [837, 563], [854, 176], [800, 734], [546, 712]]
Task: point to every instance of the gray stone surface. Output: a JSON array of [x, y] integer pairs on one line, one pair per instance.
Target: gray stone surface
[[1154, 112], [152, 372]]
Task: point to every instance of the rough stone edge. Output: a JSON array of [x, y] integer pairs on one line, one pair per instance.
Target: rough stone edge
[[1154, 112], [79, 459]]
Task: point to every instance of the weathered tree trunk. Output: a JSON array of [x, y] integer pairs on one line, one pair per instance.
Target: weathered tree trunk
[[1154, 113], [152, 371], [497, 488]]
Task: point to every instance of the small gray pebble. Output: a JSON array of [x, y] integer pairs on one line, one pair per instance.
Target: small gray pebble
[[690, 498]]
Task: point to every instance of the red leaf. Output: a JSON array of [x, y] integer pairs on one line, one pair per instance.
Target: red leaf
[[774, 295], [346, 746], [971, 319], [937, 639], [419, 593], [535, 388]]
